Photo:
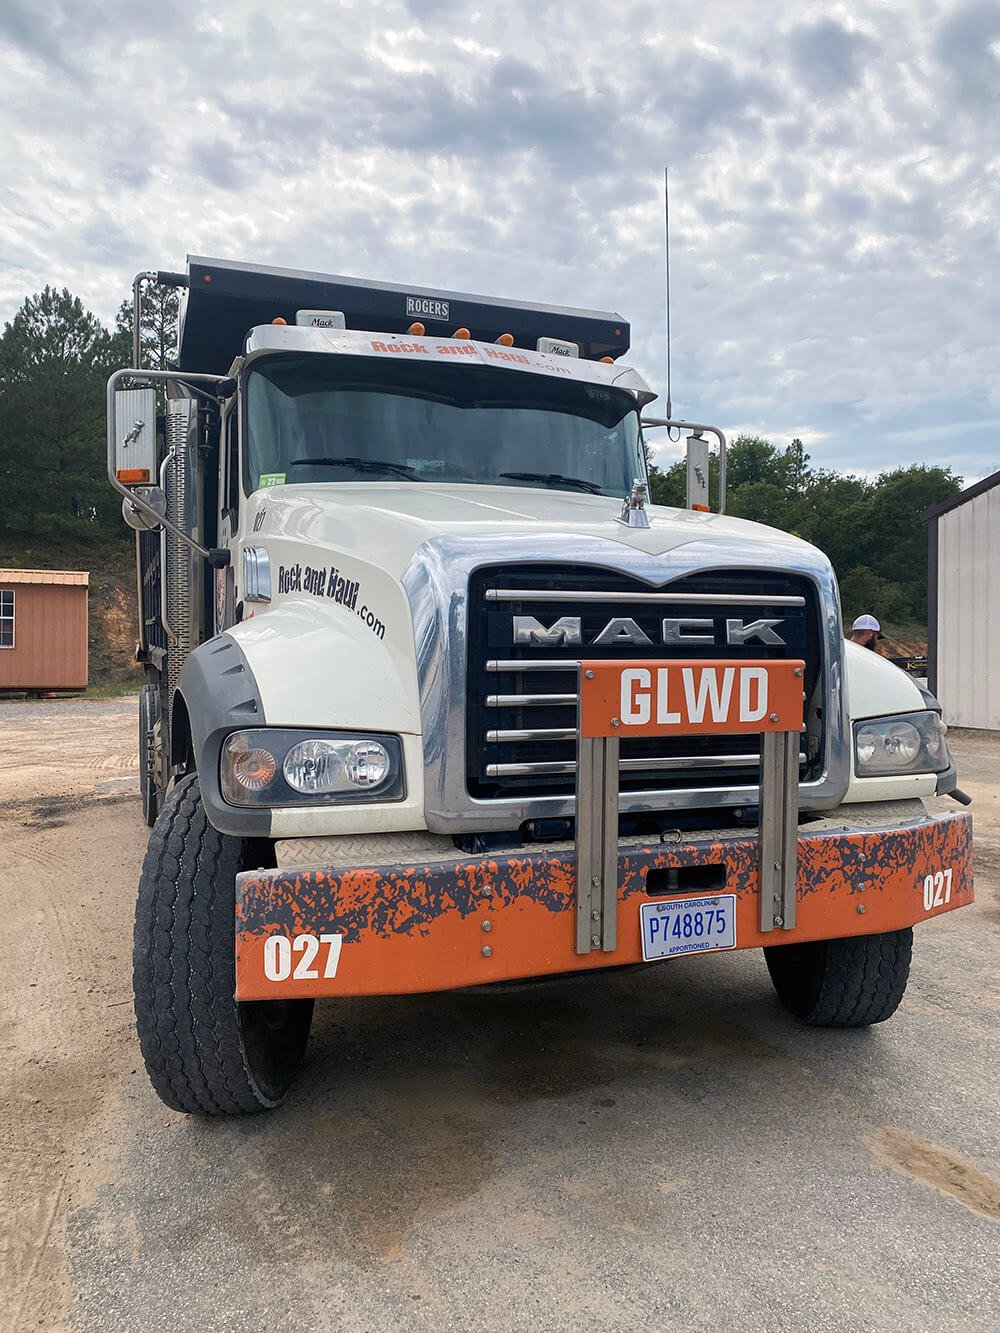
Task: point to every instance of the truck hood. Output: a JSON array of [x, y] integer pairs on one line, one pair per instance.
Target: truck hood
[[365, 583], [386, 522]]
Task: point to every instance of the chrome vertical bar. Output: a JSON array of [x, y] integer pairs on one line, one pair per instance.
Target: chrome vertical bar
[[597, 844], [778, 828], [586, 862], [790, 741], [609, 848], [767, 830]]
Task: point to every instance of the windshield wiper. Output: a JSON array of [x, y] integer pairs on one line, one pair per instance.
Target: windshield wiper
[[362, 464], [555, 479]]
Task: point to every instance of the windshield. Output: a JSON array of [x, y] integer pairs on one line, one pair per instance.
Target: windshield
[[331, 419]]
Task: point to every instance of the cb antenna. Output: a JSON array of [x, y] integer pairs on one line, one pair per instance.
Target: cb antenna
[[666, 237]]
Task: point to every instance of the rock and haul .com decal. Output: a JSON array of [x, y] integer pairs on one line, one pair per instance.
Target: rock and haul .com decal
[[331, 584]]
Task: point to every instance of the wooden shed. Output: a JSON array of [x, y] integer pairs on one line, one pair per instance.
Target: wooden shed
[[43, 629]]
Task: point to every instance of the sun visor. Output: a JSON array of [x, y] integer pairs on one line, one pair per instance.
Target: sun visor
[[225, 300]]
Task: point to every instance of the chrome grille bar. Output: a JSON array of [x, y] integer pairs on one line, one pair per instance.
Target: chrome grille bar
[[666, 598], [528, 700], [543, 664], [550, 768], [536, 734]]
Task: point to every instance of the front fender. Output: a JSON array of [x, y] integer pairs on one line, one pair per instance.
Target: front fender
[[876, 688], [220, 695], [319, 666], [301, 665]]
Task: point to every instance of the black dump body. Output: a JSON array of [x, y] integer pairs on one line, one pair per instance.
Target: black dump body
[[225, 300]]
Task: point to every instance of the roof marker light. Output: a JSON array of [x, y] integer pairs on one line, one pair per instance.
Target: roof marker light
[[506, 340], [278, 320], [417, 329], [461, 333], [608, 360], [557, 347]]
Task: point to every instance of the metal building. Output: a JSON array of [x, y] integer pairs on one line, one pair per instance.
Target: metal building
[[43, 629], [963, 646]]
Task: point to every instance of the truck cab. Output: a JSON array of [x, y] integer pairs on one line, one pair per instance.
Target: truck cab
[[436, 698]]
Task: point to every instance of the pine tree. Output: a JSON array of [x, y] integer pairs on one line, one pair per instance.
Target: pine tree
[[55, 357]]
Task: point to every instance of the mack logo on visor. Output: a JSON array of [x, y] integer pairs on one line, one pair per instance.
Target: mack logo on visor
[[568, 630]]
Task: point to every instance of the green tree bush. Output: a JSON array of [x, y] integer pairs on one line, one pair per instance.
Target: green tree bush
[[873, 531]]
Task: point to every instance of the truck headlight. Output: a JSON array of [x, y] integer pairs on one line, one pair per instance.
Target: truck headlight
[[906, 743], [271, 766]]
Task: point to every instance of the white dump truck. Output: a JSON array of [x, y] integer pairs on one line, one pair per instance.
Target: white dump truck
[[437, 699]]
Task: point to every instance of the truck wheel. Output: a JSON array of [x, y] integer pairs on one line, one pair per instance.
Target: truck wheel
[[148, 700], [842, 983], [204, 1052]]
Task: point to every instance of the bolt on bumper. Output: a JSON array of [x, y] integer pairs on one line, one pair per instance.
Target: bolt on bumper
[[473, 920]]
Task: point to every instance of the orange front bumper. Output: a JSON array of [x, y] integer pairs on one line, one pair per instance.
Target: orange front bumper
[[469, 921]]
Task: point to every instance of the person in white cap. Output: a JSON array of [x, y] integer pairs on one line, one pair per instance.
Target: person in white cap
[[866, 631]]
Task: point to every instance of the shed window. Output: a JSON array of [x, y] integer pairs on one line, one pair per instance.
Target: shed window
[[6, 617]]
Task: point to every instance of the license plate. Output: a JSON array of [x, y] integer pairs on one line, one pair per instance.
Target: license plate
[[674, 926]]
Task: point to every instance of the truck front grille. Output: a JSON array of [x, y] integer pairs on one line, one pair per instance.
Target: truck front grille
[[522, 696]]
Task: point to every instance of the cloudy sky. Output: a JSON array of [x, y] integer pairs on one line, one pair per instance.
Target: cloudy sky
[[835, 181]]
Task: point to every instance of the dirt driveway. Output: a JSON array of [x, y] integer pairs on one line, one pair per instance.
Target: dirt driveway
[[664, 1148]]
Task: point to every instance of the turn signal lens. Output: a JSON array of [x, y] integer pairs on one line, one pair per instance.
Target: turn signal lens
[[253, 769], [935, 742]]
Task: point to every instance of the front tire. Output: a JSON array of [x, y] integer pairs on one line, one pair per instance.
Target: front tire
[[205, 1053], [849, 983]]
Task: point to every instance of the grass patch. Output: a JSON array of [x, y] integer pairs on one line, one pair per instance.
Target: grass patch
[[110, 690]]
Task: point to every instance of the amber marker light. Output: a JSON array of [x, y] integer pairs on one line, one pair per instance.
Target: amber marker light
[[608, 360], [702, 509], [133, 476], [278, 320], [417, 329], [506, 340], [461, 333]]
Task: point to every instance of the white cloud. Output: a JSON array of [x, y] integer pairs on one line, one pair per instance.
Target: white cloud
[[835, 180]]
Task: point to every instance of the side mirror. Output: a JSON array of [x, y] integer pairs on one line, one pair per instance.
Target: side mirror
[[135, 445], [697, 472], [140, 519]]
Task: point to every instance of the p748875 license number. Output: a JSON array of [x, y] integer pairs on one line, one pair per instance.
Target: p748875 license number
[[672, 926]]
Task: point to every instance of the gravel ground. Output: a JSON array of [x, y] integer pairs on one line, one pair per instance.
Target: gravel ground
[[662, 1148]]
